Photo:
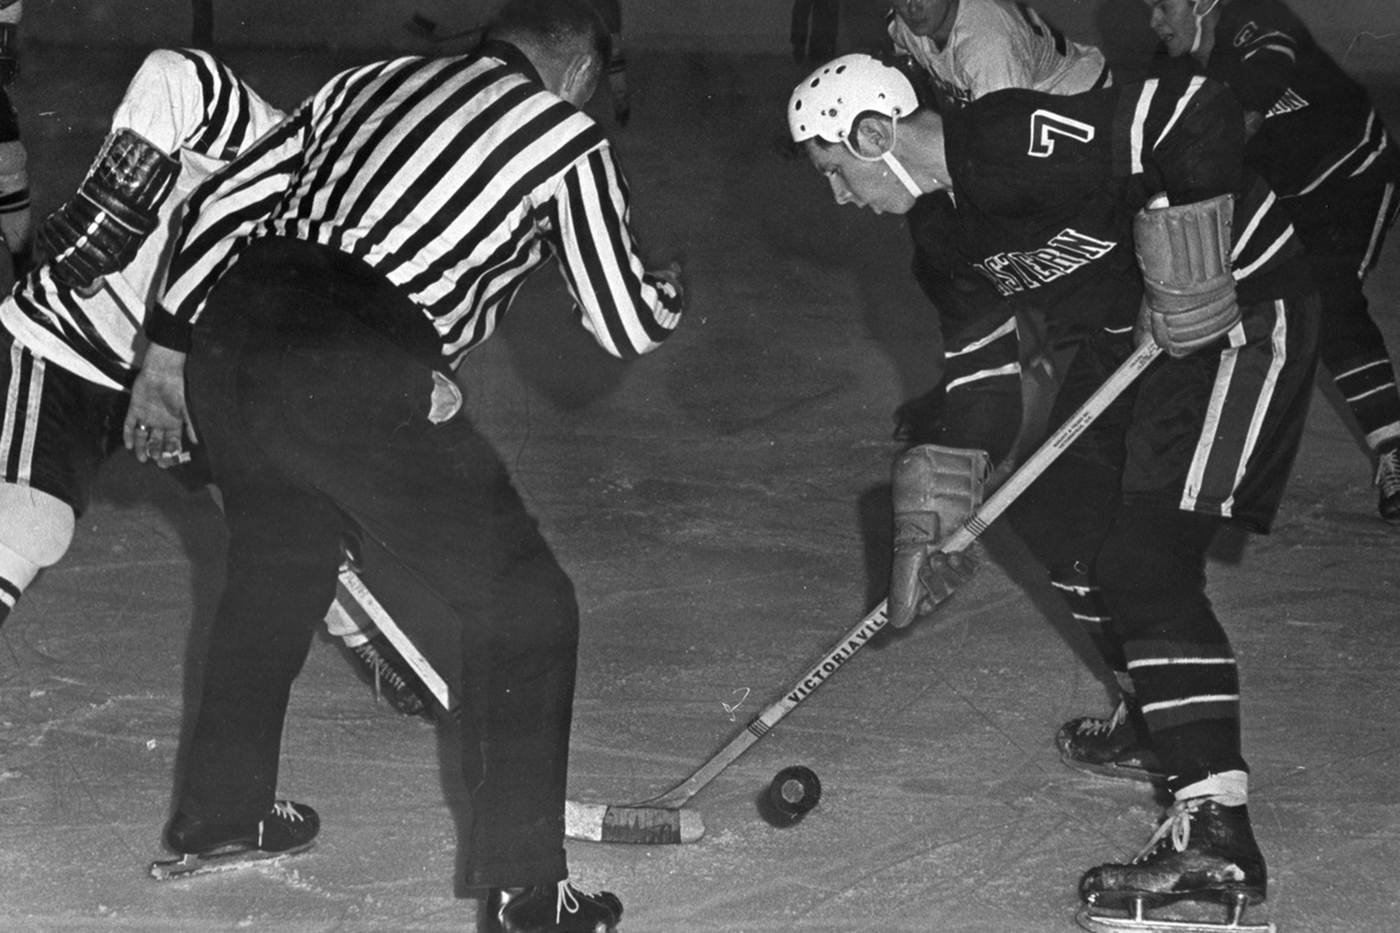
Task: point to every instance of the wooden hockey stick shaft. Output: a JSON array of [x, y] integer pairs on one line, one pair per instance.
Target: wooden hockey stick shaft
[[651, 821], [581, 820], [358, 594]]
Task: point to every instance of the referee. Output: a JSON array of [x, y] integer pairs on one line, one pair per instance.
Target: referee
[[322, 291]]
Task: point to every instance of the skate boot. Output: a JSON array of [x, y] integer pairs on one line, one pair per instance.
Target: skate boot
[[551, 908], [1116, 747], [290, 828], [1203, 851], [392, 678], [1388, 481]]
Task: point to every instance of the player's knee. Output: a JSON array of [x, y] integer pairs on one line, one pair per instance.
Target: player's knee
[[1151, 571], [14, 167], [35, 527]]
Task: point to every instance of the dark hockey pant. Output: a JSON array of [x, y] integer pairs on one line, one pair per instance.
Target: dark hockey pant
[[1343, 227], [309, 380]]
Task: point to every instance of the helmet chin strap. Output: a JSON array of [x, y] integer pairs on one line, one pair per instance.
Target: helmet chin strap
[[893, 164], [1203, 8], [902, 174]]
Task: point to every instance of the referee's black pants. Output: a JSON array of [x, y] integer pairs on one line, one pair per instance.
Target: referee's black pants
[[309, 382]]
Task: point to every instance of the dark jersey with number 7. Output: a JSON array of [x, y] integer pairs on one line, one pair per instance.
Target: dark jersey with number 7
[[1047, 187]]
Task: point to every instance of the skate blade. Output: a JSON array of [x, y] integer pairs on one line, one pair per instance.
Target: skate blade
[[194, 864], [1093, 919], [1115, 772]]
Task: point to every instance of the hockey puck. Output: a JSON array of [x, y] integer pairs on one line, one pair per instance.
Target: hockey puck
[[794, 791]]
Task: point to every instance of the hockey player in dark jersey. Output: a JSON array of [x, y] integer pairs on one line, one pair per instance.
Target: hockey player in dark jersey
[[1125, 214], [1319, 143]]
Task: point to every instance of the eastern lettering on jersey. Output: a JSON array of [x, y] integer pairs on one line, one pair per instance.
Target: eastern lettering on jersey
[[948, 95], [1046, 125], [1288, 102], [1023, 270]]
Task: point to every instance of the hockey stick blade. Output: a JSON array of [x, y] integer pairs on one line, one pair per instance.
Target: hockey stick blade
[[640, 818], [595, 822], [426, 29]]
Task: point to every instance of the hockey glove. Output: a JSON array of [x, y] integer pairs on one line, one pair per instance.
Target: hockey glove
[[935, 490], [942, 574], [1189, 291], [100, 229]]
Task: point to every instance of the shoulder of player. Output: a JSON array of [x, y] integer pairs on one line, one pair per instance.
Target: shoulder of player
[[1245, 24], [988, 19]]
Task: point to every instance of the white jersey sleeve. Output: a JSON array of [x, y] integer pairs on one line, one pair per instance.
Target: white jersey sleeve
[[188, 105]]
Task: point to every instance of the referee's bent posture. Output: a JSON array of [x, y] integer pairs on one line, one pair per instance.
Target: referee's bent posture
[[322, 291]]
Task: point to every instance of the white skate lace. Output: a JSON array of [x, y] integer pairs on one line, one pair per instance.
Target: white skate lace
[[1388, 473], [287, 811], [381, 668], [1095, 726], [568, 900], [1176, 824], [284, 809]]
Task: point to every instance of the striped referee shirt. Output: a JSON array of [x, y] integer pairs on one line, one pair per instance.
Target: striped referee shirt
[[452, 177]]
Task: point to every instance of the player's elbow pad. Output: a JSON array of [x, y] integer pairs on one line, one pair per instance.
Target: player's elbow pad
[[1184, 254], [99, 230]]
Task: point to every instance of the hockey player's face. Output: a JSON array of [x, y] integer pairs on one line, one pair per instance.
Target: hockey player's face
[[1174, 22], [923, 17], [854, 181]]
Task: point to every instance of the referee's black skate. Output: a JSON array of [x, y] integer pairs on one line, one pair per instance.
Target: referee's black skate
[[1203, 852], [1116, 747], [1388, 481], [551, 908], [289, 829]]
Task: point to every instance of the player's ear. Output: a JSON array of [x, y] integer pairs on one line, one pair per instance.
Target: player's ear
[[872, 136], [580, 78]]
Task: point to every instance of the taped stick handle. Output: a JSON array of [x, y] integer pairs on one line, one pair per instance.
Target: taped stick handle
[[975, 526]]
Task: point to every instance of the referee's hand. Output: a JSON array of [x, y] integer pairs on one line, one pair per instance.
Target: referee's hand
[[157, 418]]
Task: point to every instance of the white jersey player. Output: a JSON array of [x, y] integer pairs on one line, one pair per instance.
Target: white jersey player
[[973, 47], [71, 332]]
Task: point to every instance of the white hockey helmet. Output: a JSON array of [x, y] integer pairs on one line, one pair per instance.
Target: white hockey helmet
[[826, 104]]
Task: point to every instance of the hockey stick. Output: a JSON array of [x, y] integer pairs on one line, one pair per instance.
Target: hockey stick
[[360, 604], [661, 819], [426, 29], [354, 599]]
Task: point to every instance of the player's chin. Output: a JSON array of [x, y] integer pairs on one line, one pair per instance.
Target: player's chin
[[922, 26]]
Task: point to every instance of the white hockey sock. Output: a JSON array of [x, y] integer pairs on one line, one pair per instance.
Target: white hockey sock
[[344, 626], [1228, 788]]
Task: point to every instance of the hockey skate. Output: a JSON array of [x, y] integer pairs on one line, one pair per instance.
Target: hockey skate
[[552, 908], [391, 677], [1203, 853], [1388, 482], [1115, 747], [288, 830]]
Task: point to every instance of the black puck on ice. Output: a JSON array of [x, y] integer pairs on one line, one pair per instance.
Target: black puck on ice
[[793, 792]]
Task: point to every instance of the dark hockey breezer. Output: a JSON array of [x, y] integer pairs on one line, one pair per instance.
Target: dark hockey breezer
[[1121, 215], [1318, 141]]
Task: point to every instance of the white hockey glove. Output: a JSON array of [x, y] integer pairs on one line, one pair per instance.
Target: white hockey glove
[[1189, 291], [935, 490]]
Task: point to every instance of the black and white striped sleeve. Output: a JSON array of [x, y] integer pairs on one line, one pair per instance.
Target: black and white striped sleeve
[[219, 213], [627, 310]]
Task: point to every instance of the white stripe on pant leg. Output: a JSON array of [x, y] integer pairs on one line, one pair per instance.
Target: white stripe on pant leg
[[1377, 231]]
